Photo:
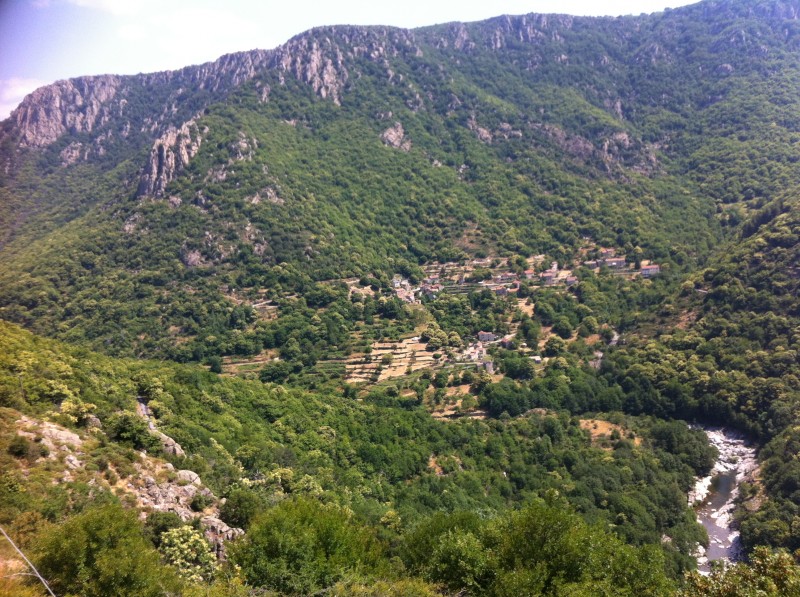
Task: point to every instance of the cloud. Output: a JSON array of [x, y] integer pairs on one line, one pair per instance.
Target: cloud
[[13, 91]]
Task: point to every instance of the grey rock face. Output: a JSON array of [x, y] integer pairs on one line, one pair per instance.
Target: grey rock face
[[189, 477], [170, 154], [218, 533], [395, 137], [76, 105]]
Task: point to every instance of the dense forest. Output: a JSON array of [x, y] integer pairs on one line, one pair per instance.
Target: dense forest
[[392, 312]]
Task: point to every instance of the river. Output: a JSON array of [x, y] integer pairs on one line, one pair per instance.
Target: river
[[714, 495]]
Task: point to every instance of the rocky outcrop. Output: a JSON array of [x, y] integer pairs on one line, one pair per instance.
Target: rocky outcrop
[[76, 106], [170, 154], [53, 436], [500, 32], [168, 445], [176, 497], [319, 63], [318, 58], [155, 487], [218, 533], [483, 134], [395, 137], [321, 56]]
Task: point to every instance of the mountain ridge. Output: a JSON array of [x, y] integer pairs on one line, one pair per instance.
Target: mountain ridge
[[41, 122], [483, 134]]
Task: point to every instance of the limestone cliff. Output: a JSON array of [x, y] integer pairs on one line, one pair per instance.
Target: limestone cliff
[[322, 58], [76, 106], [169, 156]]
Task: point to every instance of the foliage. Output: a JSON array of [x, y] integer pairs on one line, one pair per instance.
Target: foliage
[[102, 552], [301, 547], [187, 550], [771, 574], [671, 137], [541, 549]]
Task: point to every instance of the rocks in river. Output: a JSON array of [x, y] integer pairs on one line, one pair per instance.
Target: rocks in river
[[735, 454], [715, 495]]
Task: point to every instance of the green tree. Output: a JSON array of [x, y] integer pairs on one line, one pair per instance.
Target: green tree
[[301, 547], [768, 574], [241, 507], [102, 552], [188, 551]]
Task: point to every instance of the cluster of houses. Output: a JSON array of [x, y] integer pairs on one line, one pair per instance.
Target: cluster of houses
[[503, 284], [454, 277], [476, 353], [556, 277], [609, 258]]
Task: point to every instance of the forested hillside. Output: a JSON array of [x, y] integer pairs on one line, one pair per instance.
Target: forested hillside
[[355, 151], [408, 312]]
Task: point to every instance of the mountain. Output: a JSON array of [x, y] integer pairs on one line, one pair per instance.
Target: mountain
[[355, 151], [433, 304]]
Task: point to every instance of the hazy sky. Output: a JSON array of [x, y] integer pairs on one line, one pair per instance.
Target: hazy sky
[[42, 41]]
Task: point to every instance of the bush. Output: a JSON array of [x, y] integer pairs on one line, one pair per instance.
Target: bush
[[200, 502], [158, 523], [187, 550], [130, 429], [102, 552], [241, 507], [19, 447], [303, 547]]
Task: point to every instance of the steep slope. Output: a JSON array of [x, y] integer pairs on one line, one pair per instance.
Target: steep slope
[[271, 206], [732, 358], [365, 151], [260, 445]]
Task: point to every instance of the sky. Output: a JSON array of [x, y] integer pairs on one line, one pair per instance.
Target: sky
[[42, 41]]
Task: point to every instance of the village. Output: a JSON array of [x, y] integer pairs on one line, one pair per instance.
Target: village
[[387, 360], [392, 360], [487, 273]]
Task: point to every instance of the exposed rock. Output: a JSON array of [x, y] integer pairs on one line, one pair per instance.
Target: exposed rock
[[53, 436], [169, 445], [76, 105], [483, 134], [265, 91], [72, 153], [506, 131], [319, 63], [271, 195], [574, 145], [189, 477], [319, 57], [132, 223], [177, 496], [170, 154], [395, 137], [191, 258], [217, 533], [216, 174], [243, 148]]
